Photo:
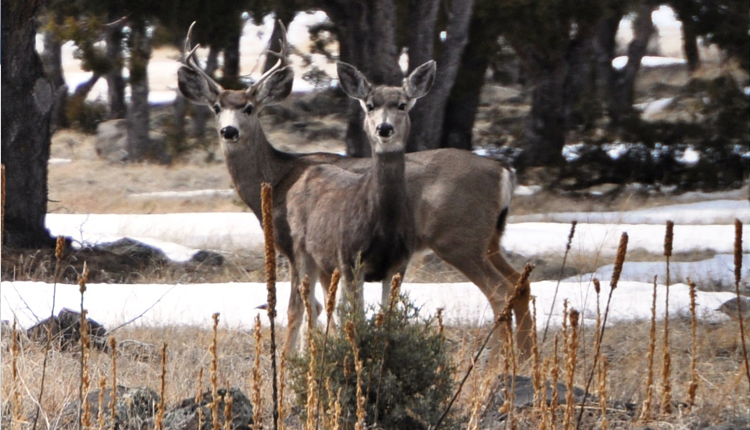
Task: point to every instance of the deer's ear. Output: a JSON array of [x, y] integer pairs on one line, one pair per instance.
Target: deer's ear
[[194, 87], [420, 80], [276, 87], [352, 81]]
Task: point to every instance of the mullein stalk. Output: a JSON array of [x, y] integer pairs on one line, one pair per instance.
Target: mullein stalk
[[666, 372], [622, 251], [270, 254], [257, 397], [737, 278], [646, 410], [214, 375], [559, 278], [693, 388]]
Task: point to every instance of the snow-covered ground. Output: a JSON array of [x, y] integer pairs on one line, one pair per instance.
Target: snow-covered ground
[[702, 226], [463, 303]]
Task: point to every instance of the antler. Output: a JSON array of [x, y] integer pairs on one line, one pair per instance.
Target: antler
[[190, 61], [282, 55]]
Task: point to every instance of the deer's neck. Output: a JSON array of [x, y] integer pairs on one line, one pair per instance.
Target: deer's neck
[[387, 186], [252, 161]]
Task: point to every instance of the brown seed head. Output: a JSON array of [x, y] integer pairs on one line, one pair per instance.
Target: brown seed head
[[83, 278], [379, 319], [620, 260], [668, 239], [573, 315], [59, 247], [572, 232], [597, 286], [737, 250], [332, 290]]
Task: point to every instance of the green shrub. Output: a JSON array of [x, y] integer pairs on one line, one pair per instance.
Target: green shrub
[[417, 374]]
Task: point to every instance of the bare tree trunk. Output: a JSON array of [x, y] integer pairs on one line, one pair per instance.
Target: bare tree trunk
[[201, 114], [367, 40], [139, 143], [231, 68], [284, 13], [461, 108], [544, 131], [27, 102], [690, 46], [52, 61], [422, 16], [621, 94], [427, 128], [115, 82]]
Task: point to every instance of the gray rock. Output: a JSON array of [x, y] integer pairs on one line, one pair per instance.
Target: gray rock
[[210, 258], [138, 251], [66, 330], [135, 409], [111, 141], [731, 306], [186, 415]]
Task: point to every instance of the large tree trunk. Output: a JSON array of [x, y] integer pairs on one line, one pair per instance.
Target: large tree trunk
[[27, 104], [139, 143], [461, 108], [115, 82], [427, 129], [52, 61], [284, 13], [367, 40], [231, 68], [690, 46], [201, 113], [622, 87], [544, 131]]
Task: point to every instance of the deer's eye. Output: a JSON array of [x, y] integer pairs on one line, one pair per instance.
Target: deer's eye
[[402, 106], [370, 107], [217, 108], [248, 109]]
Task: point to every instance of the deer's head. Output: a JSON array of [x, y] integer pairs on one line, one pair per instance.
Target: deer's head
[[236, 110], [387, 108]]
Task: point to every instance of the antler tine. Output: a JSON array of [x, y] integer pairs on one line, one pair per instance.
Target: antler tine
[[282, 55], [190, 55]]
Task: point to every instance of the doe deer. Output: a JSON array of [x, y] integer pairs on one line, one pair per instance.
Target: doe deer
[[361, 223], [460, 200]]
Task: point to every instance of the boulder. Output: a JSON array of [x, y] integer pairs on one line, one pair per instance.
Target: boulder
[[66, 330], [185, 416], [111, 141], [135, 409], [137, 251]]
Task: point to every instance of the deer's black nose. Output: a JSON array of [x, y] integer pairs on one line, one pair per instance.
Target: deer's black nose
[[384, 129], [229, 133]]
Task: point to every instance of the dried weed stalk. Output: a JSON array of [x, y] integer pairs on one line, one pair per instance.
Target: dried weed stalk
[[361, 413], [693, 388], [737, 278], [270, 254], [666, 370], [312, 382], [646, 409], [228, 403], [603, 367], [536, 372], [559, 278], [622, 251], [102, 387], [84, 415], [214, 374], [571, 358], [505, 315], [163, 388], [113, 403], [256, 397]]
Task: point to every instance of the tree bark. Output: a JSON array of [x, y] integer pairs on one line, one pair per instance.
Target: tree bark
[[52, 61], [461, 108], [621, 94], [427, 123], [367, 40], [231, 68], [115, 82], [139, 143], [690, 46], [544, 127], [201, 114], [285, 15], [27, 102]]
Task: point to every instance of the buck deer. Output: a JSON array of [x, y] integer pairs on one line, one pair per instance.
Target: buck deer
[[361, 223], [459, 200]]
